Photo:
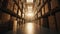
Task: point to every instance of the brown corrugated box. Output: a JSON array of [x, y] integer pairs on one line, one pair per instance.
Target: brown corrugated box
[[46, 8], [58, 20], [52, 23], [54, 4], [10, 5], [43, 11]]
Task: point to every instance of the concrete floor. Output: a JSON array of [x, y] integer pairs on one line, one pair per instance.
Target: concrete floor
[[36, 30]]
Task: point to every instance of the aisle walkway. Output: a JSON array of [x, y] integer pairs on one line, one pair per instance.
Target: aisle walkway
[[35, 29]]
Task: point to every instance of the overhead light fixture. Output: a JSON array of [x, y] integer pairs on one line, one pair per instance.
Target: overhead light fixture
[[29, 8], [29, 1], [29, 14]]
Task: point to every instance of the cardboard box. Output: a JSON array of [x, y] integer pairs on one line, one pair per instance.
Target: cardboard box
[[54, 4], [52, 26], [15, 8], [46, 8], [43, 10], [10, 5], [58, 20]]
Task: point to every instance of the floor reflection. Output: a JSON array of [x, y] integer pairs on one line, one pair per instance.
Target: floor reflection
[[29, 28]]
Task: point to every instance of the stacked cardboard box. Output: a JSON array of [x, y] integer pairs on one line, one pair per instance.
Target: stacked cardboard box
[[46, 8], [41, 2], [39, 14], [45, 0], [1, 3], [45, 23], [10, 5], [52, 23], [4, 17], [58, 20], [54, 4], [15, 8], [43, 10], [41, 22]]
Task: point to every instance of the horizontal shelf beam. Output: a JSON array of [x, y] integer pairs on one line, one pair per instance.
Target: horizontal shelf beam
[[7, 11], [52, 12], [42, 6], [17, 5]]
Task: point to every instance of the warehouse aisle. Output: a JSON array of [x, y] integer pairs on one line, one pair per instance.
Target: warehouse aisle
[[29, 16], [31, 28]]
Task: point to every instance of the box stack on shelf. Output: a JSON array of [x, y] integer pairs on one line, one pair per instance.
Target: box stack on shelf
[[50, 13], [52, 23], [58, 20], [8, 13]]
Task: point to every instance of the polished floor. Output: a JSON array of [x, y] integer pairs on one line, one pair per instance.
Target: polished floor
[[31, 28]]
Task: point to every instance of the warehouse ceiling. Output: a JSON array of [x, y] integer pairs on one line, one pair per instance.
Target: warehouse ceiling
[[30, 8]]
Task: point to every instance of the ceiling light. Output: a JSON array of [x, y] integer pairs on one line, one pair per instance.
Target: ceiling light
[[30, 14], [29, 1]]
